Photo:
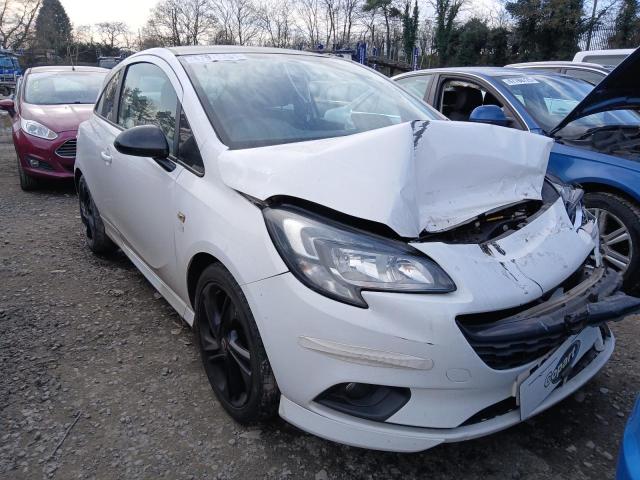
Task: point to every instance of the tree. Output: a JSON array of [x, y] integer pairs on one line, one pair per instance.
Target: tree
[[278, 22], [180, 22], [388, 10], [112, 33], [308, 12], [53, 28], [16, 22], [627, 26], [473, 38], [410, 29], [239, 19], [547, 29], [446, 13]]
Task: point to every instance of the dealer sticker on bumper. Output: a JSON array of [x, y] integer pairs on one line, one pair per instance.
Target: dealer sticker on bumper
[[545, 379]]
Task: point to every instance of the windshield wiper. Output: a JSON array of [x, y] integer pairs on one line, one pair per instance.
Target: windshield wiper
[[593, 130]]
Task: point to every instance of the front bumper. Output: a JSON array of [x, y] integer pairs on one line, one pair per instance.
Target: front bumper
[[356, 432], [51, 165], [416, 342]]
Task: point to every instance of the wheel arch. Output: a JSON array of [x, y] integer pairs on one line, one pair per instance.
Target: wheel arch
[[199, 262], [594, 187], [76, 177]]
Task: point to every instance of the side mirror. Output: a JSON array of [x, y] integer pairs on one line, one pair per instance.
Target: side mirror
[[491, 114], [8, 105], [143, 141]]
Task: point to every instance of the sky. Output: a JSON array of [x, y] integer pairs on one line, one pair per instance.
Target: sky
[[135, 12], [86, 12]]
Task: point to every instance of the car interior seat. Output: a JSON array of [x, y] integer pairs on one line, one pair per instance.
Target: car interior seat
[[459, 102]]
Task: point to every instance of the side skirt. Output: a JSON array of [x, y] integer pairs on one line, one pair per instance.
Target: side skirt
[[170, 296]]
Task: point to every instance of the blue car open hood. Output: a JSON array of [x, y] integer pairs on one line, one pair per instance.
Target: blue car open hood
[[619, 90]]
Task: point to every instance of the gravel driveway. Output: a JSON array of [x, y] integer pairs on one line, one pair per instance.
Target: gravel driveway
[[100, 379]]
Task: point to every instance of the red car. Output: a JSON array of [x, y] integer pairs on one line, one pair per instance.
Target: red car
[[49, 105]]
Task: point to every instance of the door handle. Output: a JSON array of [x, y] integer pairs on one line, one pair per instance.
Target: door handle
[[106, 156]]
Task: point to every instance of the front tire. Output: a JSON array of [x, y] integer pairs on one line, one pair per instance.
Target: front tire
[[231, 348], [97, 239], [619, 223]]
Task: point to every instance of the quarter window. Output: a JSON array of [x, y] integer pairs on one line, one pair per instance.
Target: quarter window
[[148, 98], [188, 151], [417, 84], [106, 104]]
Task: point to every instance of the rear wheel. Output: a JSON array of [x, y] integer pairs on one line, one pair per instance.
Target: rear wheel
[[619, 223], [97, 239], [27, 182], [232, 352]]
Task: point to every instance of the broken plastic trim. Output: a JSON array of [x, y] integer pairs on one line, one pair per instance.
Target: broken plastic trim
[[590, 303]]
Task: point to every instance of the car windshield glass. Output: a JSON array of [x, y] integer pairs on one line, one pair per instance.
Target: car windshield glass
[[56, 88], [550, 98], [267, 99]]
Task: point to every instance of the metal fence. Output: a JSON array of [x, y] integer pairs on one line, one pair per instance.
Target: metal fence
[[599, 39]]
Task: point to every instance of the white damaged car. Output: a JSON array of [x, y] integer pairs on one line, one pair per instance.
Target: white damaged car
[[375, 274]]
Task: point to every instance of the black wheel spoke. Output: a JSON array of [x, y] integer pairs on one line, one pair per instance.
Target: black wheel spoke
[[225, 350]]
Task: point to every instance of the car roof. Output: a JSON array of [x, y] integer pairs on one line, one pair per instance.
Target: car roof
[[195, 50], [560, 63], [481, 71], [66, 68]]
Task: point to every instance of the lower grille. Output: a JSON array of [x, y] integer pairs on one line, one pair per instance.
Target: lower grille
[[67, 149], [505, 355]]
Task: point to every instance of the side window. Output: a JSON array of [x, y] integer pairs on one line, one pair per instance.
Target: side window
[[106, 106], [188, 151], [416, 85], [148, 98], [460, 98], [592, 77]]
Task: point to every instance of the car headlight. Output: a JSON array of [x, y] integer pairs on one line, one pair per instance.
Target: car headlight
[[571, 196], [37, 129], [339, 262]]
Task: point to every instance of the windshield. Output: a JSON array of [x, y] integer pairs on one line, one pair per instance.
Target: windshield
[[59, 88], [550, 98], [267, 99]]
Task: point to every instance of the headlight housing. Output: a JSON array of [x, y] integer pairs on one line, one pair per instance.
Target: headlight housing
[[340, 262], [37, 129], [571, 196]]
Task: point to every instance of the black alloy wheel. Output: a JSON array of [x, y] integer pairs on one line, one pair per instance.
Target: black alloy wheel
[[96, 237], [232, 353]]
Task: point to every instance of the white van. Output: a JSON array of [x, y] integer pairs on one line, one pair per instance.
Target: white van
[[608, 58]]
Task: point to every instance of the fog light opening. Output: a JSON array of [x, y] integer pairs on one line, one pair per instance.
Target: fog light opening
[[363, 400], [35, 163]]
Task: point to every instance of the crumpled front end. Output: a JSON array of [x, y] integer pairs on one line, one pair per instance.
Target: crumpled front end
[[412, 177], [407, 371]]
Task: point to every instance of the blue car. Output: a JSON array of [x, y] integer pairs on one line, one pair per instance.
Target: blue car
[[596, 132], [629, 461]]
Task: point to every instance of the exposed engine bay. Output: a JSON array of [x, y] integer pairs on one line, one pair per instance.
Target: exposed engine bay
[[620, 141], [496, 223]]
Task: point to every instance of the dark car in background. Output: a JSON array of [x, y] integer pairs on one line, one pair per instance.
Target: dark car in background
[[49, 105], [597, 133]]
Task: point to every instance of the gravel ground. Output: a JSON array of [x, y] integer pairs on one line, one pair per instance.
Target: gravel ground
[[101, 379]]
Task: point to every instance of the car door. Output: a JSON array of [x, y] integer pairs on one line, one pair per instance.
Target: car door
[[96, 148], [144, 189]]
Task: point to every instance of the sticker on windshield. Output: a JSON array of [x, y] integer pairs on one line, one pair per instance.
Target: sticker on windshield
[[215, 57], [520, 80]]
